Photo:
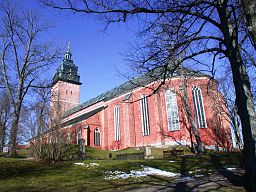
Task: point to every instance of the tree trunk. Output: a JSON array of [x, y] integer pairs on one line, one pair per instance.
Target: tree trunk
[[244, 98], [13, 136], [246, 111], [3, 122], [2, 136], [249, 7]]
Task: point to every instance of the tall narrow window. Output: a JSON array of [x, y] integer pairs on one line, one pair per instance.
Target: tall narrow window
[[117, 123], [144, 115], [79, 135], [172, 110], [199, 107], [96, 137]]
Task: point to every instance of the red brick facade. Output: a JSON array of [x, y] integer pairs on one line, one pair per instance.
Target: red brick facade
[[65, 96], [96, 120]]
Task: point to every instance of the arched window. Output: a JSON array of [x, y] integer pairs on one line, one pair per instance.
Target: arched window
[[97, 137], [199, 107], [117, 123], [172, 110], [144, 115]]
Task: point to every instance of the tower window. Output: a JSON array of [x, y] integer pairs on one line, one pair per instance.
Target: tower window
[[172, 110], [97, 137], [144, 115], [66, 92], [71, 92], [117, 123], [199, 107]]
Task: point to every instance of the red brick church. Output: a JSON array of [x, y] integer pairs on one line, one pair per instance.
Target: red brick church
[[137, 114]]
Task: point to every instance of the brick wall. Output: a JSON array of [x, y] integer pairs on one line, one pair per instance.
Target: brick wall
[[66, 95], [131, 122]]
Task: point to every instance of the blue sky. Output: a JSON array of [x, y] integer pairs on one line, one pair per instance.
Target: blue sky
[[97, 53]]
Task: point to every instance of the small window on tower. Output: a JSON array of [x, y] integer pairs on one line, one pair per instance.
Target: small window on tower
[[66, 91], [71, 92]]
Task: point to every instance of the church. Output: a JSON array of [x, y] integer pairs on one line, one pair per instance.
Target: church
[[140, 112]]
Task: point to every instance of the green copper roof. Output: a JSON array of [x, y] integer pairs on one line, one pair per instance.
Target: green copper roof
[[67, 71], [153, 75]]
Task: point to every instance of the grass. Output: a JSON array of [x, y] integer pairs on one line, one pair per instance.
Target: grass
[[157, 153], [28, 175]]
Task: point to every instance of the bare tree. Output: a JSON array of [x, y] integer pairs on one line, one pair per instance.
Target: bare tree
[[37, 120], [24, 57], [185, 102], [5, 113], [49, 143], [190, 29], [219, 124], [227, 89], [188, 119]]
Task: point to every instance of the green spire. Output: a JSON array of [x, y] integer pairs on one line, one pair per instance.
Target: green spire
[[67, 71], [68, 54]]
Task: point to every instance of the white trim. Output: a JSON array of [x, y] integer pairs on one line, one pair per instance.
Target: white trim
[[203, 108], [82, 111], [198, 106], [117, 123], [172, 98], [145, 125]]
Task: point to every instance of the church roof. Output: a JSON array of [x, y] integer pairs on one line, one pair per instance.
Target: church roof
[[145, 79], [82, 117]]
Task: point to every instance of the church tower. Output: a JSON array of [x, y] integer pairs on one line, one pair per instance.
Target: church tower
[[65, 92]]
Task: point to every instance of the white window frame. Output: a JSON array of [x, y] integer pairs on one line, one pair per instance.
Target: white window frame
[[199, 107], [171, 105], [117, 123], [144, 115]]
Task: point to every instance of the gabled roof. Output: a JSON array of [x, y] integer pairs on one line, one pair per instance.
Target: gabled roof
[[82, 117], [151, 76]]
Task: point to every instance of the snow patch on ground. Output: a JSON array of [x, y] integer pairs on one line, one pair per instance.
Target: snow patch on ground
[[172, 161], [82, 164], [90, 165], [142, 173], [231, 168]]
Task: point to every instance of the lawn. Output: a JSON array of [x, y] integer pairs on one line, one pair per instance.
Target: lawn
[[95, 175]]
